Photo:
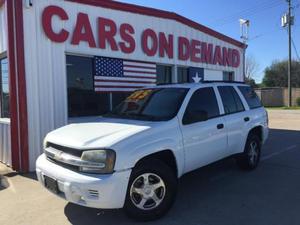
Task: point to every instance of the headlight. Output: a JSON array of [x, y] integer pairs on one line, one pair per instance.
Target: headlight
[[44, 143], [101, 161]]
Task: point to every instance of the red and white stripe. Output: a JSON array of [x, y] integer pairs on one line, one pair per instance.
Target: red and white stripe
[[136, 75]]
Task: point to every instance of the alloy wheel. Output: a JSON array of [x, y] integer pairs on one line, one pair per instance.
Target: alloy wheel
[[147, 191]]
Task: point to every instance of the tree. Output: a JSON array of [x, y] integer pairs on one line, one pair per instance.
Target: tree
[[251, 82], [251, 67], [276, 74]]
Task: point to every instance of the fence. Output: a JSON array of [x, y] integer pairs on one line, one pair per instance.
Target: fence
[[277, 96]]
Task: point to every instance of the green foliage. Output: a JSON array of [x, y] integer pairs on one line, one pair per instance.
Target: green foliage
[[298, 101], [276, 74], [251, 82]]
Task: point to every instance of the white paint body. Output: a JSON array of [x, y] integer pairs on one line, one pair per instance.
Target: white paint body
[[46, 61], [193, 146]]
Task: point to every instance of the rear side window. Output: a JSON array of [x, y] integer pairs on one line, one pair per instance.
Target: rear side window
[[231, 100], [250, 96], [204, 99]]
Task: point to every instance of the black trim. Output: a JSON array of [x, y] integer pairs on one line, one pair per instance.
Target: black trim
[[223, 81]]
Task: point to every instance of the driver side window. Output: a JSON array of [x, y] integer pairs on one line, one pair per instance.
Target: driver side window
[[202, 106]]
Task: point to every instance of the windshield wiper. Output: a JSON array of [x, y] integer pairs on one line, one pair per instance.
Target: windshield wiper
[[143, 116], [113, 115], [131, 116]]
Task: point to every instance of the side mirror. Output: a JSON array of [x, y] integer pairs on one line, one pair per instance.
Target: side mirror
[[195, 116]]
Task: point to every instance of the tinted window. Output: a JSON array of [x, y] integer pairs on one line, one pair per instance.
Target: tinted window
[[118, 98], [4, 88], [164, 74], [238, 101], [250, 96], [151, 104], [83, 100], [203, 99], [182, 74], [231, 101], [228, 76]]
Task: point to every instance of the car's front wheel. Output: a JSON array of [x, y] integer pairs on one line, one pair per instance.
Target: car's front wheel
[[151, 191]]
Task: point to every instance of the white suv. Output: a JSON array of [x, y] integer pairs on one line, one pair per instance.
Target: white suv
[[133, 157]]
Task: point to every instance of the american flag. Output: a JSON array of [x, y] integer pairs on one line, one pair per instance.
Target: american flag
[[122, 75]]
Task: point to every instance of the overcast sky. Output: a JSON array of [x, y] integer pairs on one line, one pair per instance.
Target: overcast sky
[[268, 40]]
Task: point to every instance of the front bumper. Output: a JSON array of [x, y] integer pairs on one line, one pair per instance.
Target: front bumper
[[90, 190]]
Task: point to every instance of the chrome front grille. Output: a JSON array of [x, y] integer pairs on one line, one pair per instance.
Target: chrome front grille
[[71, 151], [66, 159]]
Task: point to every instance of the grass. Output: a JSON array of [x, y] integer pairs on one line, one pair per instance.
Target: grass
[[285, 108]]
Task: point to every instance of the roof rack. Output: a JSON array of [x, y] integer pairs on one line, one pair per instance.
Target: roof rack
[[165, 84], [223, 81], [207, 81]]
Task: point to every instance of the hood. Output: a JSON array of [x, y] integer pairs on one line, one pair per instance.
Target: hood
[[103, 133]]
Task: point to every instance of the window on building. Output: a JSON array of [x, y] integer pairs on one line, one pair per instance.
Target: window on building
[[250, 96], [117, 98], [4, 79], [228, 76], [182, 75], [231, 100], [82, 98], [164, 74], [205, 100]]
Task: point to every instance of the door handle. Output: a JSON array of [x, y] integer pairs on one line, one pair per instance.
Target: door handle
[[246, 119], [220, 126]]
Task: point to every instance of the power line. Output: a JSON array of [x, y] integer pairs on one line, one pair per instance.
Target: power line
[[242, 12], [295, 48], [248, 12]]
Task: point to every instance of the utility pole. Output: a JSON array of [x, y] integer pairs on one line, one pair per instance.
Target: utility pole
[[287, 20], [290, 21]]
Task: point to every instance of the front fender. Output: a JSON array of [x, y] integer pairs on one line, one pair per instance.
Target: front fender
[[168, 137]]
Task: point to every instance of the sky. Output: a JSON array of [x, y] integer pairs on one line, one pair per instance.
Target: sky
[[268, 41]]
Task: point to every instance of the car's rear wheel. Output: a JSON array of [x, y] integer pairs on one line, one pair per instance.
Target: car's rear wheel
[[250, 158], [151, 190]]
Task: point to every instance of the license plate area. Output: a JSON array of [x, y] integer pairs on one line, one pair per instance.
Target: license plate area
[[51, 184]]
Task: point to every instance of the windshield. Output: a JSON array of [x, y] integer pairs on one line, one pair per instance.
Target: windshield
[[157, 104]]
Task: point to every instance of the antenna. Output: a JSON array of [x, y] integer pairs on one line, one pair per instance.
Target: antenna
[[244, 29]]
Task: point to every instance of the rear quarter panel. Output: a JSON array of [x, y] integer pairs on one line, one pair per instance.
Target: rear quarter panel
[[258, 118]]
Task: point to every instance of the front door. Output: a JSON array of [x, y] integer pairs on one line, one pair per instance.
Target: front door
[[205, 136]]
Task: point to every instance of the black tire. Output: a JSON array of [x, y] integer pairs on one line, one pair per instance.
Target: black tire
[[246, 160], [163, 171]]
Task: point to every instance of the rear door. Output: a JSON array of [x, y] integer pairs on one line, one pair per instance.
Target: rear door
[[235, 116], [205, 141]]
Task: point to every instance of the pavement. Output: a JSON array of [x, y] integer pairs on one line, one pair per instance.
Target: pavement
[[219, 194]]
